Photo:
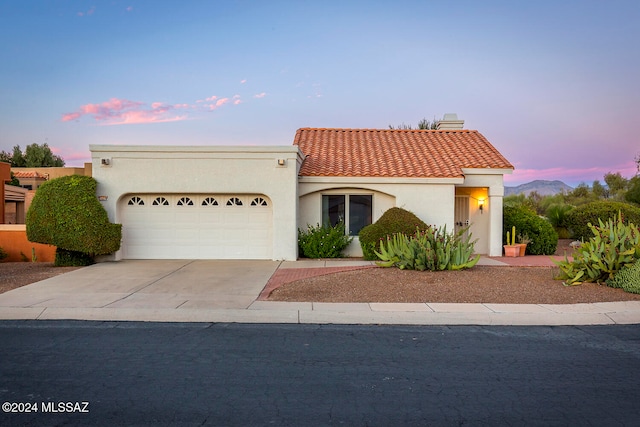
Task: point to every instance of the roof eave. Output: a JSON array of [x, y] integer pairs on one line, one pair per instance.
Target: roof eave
[[487, 171], [350, 180]]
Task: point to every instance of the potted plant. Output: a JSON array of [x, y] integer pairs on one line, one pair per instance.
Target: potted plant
[[523, 241], [510, 249]]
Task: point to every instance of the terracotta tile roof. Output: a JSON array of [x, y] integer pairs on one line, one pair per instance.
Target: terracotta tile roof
[[395, 153], [29, 174]]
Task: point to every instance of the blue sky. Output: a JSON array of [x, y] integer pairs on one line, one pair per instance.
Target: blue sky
[[552, 84]]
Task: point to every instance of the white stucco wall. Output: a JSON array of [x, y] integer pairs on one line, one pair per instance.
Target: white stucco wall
[[206, 169], [431, 200]]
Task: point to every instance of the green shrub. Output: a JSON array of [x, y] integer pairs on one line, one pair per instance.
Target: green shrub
[[323, 241], [544, 239], [3, 254], [579, 218], [394, 220], [557, 216], [431, 249], [66, 213], [65, 258], [628, 278], [613, 245]]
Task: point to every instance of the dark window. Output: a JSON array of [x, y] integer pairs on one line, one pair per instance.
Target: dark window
[[185, 201], [136, 201], [333, 209], [354, 209], [160, 201], [209, 201], [359, 212]]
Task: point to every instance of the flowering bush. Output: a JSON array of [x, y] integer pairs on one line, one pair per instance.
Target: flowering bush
[[323, 241]]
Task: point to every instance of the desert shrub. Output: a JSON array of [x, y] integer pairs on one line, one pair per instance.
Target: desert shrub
[[557, 216], [394, 220], [543, 237], [66, 213], [3, 254], [431, 249], [324, 241], [65, 258], [579, 218], [628, 278], [613, 245]]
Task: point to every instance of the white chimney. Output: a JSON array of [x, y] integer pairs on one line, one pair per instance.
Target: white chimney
[[450, 122]]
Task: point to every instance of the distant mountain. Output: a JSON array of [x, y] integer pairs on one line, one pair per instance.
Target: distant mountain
[[544, 188]]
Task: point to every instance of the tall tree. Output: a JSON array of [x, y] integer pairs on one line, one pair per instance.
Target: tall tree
[[35, 156], [18, 158], [599, 191], [633, 193], [617, 184]]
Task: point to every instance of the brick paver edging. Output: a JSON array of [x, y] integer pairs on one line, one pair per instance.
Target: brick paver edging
[[283, 276]]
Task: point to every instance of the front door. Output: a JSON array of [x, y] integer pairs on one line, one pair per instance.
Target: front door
[[461, 214]]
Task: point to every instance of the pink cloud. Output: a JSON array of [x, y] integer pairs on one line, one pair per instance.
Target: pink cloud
[[260, 95], [122, 111], [221, 101], [71, 116], [243, 81]]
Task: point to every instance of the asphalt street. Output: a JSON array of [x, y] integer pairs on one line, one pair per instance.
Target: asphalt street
[[128, 373]]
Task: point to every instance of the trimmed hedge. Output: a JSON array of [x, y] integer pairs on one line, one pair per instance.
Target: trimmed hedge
[[544, 239], [65, 258], [394, 220], [66, 213], [578, 219]]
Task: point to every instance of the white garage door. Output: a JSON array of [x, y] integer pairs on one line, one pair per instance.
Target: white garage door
[[196, 226]]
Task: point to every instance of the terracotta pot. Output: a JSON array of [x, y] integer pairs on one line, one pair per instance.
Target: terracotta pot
[[511, 251], [522, 247]]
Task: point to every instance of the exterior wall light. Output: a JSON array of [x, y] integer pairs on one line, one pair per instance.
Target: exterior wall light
[[481, 204], [281, 162]]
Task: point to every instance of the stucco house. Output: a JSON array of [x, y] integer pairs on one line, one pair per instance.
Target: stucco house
[[247, 202]]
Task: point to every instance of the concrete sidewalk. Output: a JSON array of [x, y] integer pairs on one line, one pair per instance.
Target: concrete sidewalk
[[227, 291]]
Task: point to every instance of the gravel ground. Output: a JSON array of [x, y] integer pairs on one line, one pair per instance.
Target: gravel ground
[[16, 274], [481, 284]]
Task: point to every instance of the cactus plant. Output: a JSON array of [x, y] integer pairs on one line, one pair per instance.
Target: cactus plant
[[614, 244]]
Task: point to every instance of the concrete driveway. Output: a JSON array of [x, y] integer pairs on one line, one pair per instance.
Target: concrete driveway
[[146, 285], [226, 291]]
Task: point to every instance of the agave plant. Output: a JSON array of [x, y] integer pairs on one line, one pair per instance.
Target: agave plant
[[431, 249], [614, 244]]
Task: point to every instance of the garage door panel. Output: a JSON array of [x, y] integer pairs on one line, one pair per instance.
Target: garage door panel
[[196, 226]]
